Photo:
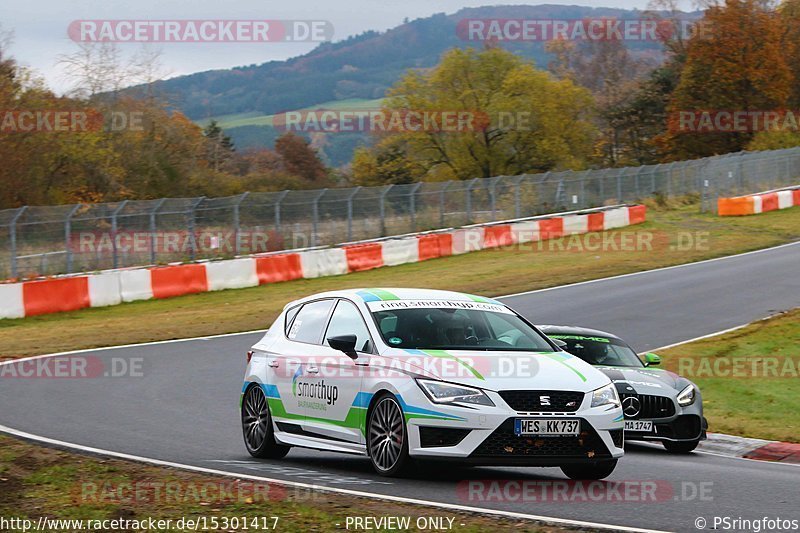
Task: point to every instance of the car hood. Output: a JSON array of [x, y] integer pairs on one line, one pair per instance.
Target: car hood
[[502, 370], [645, 380]]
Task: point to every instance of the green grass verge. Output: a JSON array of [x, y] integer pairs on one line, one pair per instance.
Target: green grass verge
[[748, 377], [37, 481], [490, 273]]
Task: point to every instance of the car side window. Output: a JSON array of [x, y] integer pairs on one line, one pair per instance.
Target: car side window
[[290, 314], [346, 320], [310, 321]]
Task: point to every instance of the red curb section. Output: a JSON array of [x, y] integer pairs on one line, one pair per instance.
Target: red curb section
[[779, 452]]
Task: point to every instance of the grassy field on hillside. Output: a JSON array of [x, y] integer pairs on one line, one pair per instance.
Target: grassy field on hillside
[[256, 119]]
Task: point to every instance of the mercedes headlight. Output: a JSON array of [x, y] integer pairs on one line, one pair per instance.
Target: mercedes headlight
[[605, 396], [687, 396], [441, 392]]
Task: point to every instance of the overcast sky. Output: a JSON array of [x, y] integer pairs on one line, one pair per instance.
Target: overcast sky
[[40, 26]]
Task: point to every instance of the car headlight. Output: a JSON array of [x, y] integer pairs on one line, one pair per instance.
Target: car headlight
[[441, 392], [687, 396], [605, 396]]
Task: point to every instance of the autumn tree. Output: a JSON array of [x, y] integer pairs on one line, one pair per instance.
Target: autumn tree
[[522, 120], [735, 64], [299, 159], [219, 147]]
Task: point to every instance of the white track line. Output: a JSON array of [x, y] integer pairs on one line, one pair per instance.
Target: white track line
[[322, 488]]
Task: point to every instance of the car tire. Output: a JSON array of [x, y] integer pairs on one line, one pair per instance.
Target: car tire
[[259, 435], [593, 471], [680, 447], [387, 437]]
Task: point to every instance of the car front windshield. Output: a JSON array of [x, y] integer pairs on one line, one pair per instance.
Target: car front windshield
[[452, 328], [599, 350]]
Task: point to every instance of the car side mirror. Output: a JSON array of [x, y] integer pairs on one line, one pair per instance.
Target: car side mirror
[[344, 343], [558, 342], [651, 359]]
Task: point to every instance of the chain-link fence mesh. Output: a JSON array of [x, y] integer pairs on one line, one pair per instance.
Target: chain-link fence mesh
[[37, 241]]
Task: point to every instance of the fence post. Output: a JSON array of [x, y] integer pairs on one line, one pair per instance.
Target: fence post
[[582, 192], [190, 226], [153, 236], [281, 196], [653, 178], [67, 236], [517, 199], [412, 205], [315, 217], [382, 208], [237, 244], [492, 197], [636, 183], [442, 198], [350, 213], [469, 199], [669, 178], [114, 215], [13, 240]]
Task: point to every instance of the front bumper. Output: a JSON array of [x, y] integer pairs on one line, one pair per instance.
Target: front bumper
[[485, 436], [684, 424]]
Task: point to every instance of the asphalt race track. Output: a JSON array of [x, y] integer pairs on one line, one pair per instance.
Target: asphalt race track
[[184, 408]]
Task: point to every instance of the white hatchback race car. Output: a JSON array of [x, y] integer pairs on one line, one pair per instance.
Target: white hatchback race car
[[406, 374]]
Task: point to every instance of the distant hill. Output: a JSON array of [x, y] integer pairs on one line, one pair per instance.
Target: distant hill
[[360, 67]]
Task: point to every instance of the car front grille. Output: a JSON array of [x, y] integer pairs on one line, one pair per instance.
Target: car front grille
[[504, 443], [527, 401], [650, 406]]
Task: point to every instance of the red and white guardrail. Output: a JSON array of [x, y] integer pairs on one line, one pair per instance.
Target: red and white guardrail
[[112, 287], [753, 204]]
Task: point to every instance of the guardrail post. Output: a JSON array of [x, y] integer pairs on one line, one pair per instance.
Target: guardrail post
[[237, 242], [382, 208], [12, 233], [68, 236], [153, 236], [114, 214], [350, 213]]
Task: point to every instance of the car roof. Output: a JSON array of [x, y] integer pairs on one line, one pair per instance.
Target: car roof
[[378, 294], [575, 330]]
